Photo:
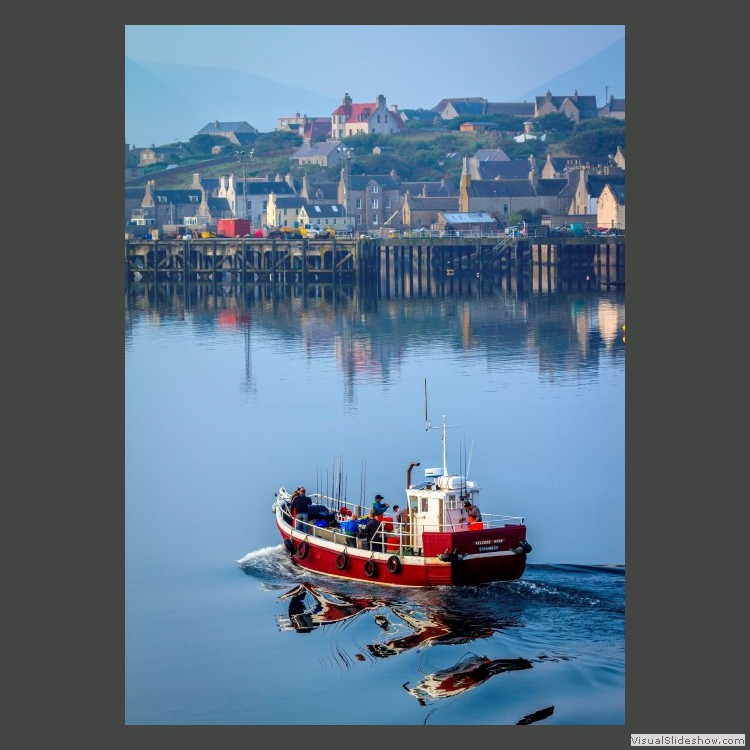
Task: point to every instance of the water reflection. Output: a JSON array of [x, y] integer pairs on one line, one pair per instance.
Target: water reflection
[[310, 606], [370, 337]]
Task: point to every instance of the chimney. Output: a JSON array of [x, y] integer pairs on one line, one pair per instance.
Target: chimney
[[394, 109], [346, 100], [380, 100]]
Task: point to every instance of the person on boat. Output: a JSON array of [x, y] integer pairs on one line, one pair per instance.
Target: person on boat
[[379, 506], [402, 515], [300, 509], [351, 527], [472, 512], [372, 533]]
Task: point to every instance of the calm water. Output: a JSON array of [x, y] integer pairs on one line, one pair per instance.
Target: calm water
[[231, 394]]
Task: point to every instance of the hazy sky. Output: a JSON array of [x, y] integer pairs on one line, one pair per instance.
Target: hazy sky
[[416, 65]]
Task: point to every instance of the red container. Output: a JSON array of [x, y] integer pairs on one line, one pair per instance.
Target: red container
[[391, 543], [387, 523], [232, 227]]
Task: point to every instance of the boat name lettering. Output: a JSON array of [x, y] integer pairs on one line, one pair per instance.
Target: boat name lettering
[[489, 541], [488, 549]]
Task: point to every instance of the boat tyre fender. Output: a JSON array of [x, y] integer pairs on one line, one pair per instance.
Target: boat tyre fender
[[371, 568], [302, 550], [342, 560], [394, 564], [523, 548], [290, 548]]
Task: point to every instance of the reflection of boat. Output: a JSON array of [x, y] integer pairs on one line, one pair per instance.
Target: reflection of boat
[[436, 547], [429, 630], [469, 672], [327, 608]]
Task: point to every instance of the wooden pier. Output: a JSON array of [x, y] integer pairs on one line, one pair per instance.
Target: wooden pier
[[365, 259]]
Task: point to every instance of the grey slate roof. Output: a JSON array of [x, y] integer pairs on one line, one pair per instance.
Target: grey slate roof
[[360, 181], [515, 169], [308, 150], [239, 126], [263, 188], [323, 191], [595, 183], [434, 189], [178, 196], [586, 104], [468, 108], [500, 189], [289, 202], [551, 186], [323, 210], [443, 103], [515, 109]]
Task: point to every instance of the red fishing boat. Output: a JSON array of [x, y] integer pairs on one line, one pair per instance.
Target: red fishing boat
[[437, 546]]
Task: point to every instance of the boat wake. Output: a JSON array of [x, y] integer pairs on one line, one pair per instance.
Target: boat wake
[[270, 564]]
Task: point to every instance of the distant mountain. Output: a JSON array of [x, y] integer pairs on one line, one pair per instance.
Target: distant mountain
[[166, 102], [590, 78]]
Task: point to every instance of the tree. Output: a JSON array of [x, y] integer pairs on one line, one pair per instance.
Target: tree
[[201, 144], [598, 137], [557, 125]]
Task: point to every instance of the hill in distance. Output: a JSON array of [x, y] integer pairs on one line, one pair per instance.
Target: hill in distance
[[166, 102]]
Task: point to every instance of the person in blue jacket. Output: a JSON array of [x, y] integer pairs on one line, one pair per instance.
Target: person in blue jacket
[[379, 506], [351, 527]]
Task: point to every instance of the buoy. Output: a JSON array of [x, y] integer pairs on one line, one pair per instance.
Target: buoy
[[342, 560], [290, 548], [394, 564], [371, 569], [302, 550]]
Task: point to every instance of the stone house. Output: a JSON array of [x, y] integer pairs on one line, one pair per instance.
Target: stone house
[[610, 207], [371, 199], [350, 118], [466, 222], [614, 108], [159, 207], [256, 193], [283, 211], [238, 133], [574, 106], [324, 154], [503, 197], [424, 211], [319, 192], [324, 215]]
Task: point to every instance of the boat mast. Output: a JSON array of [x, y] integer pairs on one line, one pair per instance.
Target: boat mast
[[445, 453]]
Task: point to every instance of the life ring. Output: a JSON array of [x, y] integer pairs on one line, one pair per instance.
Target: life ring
[[342, 560], [290, 548], [371, 568], [302, 550], [394, 564]]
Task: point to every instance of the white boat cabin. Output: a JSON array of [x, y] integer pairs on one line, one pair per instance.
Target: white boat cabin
[[437, 504]]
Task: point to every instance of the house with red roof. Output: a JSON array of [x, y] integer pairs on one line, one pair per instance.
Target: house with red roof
[[350, 118]]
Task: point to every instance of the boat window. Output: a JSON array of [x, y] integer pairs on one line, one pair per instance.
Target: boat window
[[423, 504]]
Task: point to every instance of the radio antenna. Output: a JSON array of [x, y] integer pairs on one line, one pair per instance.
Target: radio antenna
[[427, 424]]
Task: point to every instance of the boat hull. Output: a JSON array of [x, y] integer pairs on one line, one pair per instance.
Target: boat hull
[[470, 557]]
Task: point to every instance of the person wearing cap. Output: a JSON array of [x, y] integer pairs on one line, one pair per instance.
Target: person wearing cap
[[379, 506]]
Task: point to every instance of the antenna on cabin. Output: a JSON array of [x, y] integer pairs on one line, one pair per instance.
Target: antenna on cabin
[[427, 424]]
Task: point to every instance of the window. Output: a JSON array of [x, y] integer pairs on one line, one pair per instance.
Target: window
[[193, 198], [375, 203], [358, 203], [374, 221], [161, 198], [387, 202], [375, 188], [423, 504], [505, 208]]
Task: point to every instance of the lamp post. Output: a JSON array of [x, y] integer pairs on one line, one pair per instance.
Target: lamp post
[[241, 159], [346, 155]]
